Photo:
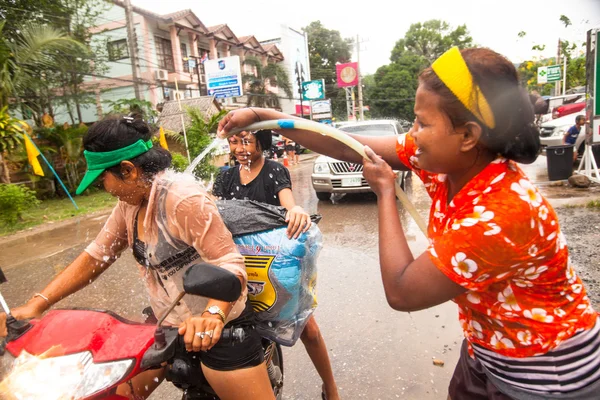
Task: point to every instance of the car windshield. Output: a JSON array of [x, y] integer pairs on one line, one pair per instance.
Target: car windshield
[[370, 130]]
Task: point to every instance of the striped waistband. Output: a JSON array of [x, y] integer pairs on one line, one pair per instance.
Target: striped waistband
[[573, 365]]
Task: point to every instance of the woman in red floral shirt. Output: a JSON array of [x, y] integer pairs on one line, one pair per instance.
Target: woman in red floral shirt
[[496, 248]]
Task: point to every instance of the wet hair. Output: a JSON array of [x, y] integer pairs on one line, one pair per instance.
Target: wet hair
[[264, 138], [117, 132], [515, 135], [579, 117]]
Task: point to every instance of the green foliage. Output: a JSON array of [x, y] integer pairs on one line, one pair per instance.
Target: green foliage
[[179, 162], [11, 130], [200, 134], [326, 48], [14, 201], [565, 20], [391, 92], [595, 204], [127, 106], [528, 76], [273, 75], [431, 39]]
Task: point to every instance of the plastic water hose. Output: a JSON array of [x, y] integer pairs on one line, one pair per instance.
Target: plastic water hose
[[354, 144]]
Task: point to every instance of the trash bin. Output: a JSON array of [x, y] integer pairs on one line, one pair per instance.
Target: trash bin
[[560, 162]]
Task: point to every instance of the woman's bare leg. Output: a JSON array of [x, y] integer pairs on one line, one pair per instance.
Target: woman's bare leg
[[242, 384], [317, 351]]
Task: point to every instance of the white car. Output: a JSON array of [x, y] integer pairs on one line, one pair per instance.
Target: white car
[[335, 176], [552, 132]]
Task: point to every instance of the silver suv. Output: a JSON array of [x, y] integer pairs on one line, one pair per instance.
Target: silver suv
[[335, 176]]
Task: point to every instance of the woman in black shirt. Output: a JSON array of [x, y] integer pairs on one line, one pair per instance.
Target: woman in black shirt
[[260, 179]]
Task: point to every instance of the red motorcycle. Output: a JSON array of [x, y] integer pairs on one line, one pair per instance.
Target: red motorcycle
[[85, 354]]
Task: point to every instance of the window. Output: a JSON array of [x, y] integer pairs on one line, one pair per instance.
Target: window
[[184, 54], [164, 54], [118, 50]]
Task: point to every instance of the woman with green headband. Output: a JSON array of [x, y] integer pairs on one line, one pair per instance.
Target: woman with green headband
[[496, 248], [170, 223]]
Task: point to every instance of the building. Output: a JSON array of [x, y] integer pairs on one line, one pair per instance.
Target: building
[[165, 45], [294, 48]]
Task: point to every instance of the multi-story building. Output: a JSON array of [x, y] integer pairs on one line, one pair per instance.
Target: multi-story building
[[165, 44]]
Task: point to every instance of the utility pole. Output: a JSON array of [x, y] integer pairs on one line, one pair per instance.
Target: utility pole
[[131, 39], [557, 87], [360, 94]]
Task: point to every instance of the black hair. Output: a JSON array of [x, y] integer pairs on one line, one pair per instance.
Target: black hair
[[264, 138], [514, 136], [114, 133], [579, 117]]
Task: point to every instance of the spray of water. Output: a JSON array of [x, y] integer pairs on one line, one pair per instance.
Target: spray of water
[[201, 156]]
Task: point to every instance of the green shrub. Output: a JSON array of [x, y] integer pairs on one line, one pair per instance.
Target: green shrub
[[14, 200], [179, 162]]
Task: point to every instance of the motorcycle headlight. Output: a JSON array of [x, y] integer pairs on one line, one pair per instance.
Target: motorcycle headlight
[[321, 168], [55, 378]]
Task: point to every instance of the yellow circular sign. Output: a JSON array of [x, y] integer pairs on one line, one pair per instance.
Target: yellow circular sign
[[348, 74]]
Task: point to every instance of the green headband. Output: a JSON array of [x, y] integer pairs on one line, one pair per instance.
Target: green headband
[[98, 162]]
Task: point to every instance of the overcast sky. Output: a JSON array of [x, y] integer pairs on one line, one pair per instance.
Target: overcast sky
[[380, 23]]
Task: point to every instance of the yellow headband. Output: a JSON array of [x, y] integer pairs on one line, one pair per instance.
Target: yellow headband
[[452, 70]]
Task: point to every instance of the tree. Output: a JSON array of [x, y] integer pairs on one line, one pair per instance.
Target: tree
[[11, 135], [326, 49], [393, 90], [265, 77], [21, 59], [431, 39], [200, 134]]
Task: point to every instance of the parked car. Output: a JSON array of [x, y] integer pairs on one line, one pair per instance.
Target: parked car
[[552, 132], [567, 109], [335, 176]]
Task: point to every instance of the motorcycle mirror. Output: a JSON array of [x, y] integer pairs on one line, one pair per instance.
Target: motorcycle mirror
[[207, 280]]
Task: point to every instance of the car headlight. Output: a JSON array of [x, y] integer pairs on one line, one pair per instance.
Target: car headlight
[[321, 168], [561, 130], [67, 377]]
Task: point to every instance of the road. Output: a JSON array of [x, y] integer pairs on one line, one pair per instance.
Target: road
[[377, 353]]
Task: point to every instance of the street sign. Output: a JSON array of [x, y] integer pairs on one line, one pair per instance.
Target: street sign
[[192, 63], [223, 77], [321, 109], [313, 90], [551, 73]]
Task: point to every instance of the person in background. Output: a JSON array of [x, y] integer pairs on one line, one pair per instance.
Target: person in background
[[572, 134], [267, 181], [290, 148]]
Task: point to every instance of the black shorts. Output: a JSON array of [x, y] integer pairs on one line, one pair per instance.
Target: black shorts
[[469, 380], [229, 357], [290, 147]]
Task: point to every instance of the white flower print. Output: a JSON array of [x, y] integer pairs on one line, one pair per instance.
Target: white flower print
[[499, 160], [441, 177], [533, 273], [476, 330], [473, 298], [527, 192], [525, 338], [500, 342], [413, 160], [479, 214], [551, 236], [577, 288], [498, 178], [482, 278], [541, 228], [494, 229], [487, 190], [570, 274], [463, 266], [533, 250], [562, 241], [559, 312], [437, 214], [401, 139], [523, 283], [538, 314], [433, 252], [543, 213], [508, 300]]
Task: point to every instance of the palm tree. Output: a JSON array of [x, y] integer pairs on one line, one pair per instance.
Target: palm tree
[[37, 47], [258, 84]]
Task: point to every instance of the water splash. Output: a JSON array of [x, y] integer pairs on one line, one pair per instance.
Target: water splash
[[201, 156]]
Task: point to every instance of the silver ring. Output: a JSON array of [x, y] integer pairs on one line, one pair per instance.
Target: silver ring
[[200, 335], [209, 333]]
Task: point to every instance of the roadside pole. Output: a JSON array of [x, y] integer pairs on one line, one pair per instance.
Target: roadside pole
[[131, 39], [360, 94], [182, 121], [565, 76]]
